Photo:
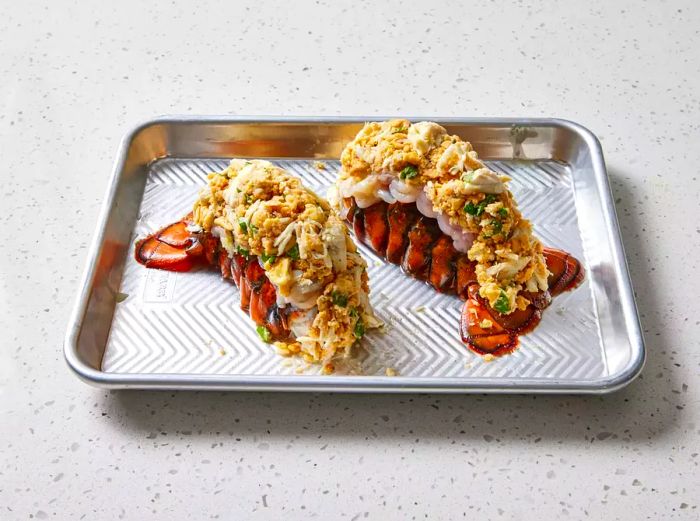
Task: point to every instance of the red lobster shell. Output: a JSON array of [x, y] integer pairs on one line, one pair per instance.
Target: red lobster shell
[[404, 236], [175, 248]]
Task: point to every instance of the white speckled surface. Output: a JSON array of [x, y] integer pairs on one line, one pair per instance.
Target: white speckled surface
[[75, 77]]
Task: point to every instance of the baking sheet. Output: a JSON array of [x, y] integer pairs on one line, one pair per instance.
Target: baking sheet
[[192, 323], [135, 327]]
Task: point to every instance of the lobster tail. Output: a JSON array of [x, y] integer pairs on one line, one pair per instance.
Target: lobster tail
[[422, 199], [300, 281], [176, 248]]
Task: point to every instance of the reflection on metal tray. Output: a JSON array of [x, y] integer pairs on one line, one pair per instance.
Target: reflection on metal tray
[[134, 327]]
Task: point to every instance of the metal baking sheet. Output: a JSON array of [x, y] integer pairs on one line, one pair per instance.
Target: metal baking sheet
[[134, 327]]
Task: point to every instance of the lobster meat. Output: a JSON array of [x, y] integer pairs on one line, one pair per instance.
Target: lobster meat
[[404, 236], [177, 248]]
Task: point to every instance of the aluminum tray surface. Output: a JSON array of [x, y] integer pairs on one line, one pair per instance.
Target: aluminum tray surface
[[175, 330]]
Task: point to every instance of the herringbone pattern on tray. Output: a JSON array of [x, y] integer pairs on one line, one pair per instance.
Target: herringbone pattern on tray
[[191, 323]]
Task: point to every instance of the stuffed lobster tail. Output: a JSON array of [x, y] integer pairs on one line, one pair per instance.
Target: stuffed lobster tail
[[300, 276], [423, 200]]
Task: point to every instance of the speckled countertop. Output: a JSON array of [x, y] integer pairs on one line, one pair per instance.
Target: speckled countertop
[[76, 77]]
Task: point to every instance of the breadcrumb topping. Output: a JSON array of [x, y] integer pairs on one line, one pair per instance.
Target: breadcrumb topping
[[258, 209], [509, 259]]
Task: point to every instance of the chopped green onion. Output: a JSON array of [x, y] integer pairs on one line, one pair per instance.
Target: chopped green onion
[[408, 172], [293, 252], [264, 334], [253, 229], [242, 251], [359, 330], [243, 225], [339, 299], [472, 209], [477, 209], [502, 304], [267, 258], [497, 226], [503, 212]]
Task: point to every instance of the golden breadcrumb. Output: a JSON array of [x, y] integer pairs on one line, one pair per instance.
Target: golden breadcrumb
[[508, 257]]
